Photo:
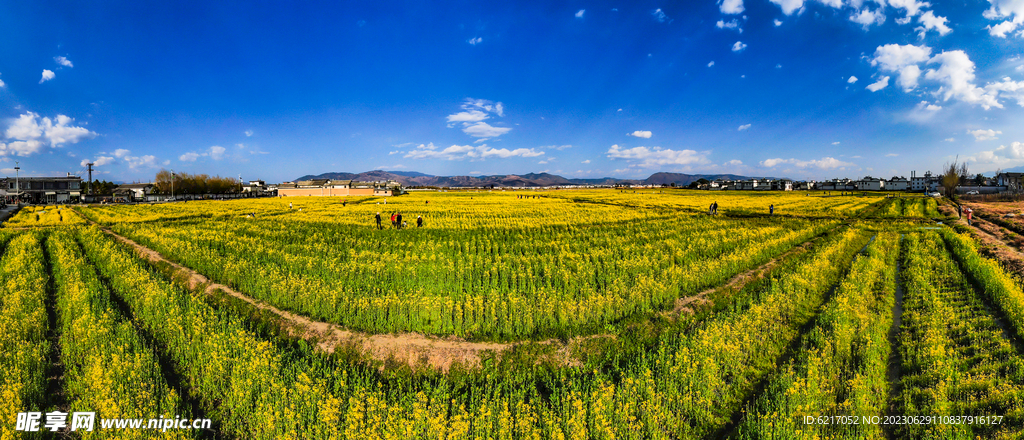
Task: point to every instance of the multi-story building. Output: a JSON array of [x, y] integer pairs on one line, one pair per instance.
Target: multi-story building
[[43, 189]]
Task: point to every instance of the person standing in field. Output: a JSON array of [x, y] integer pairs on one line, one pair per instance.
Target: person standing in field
[[379, 227], [393, 224], [711, 209], [398, 220], [419, 221], [969, 211], [771, 209], [289, 205]]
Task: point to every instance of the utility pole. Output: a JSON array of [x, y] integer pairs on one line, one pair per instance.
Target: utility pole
[[90, 178], [17, 183], [239, 184], [173, 178]]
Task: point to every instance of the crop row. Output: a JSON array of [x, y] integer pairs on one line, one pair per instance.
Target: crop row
[[108, 367], [842, 363], [957, 361], [507, 284]]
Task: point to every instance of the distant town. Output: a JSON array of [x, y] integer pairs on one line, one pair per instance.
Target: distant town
[[75, 189]]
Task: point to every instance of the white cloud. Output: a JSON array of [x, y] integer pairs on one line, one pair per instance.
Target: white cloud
[[835, 143], [47, 75], [461, 152], [1012, 10], [731, 6], [956, 74], [879, 85], [467, 116], [660, 16], [1004, 155], [925, 105], [738, 46], [580, 13], [984, 135], [483, 129], [21, 148], [1008, 88], [904, 20], [929, 22], [2, 84], [731, 24], [867, 18], [734, 162], [825, 163], [143, 161], [852, 80], [789, 6], [475, 111], [950, 139], [121, 152], [586, 161], [248, 133], [1001, 29], [656, 156], [475, 41], [778, 23], [912, 7], [63, 61], [891, 155], [903, 60], [641, 134], [743, 127], [217, 152], [31, 133], [189, 157], [99, 161], [711, 64]]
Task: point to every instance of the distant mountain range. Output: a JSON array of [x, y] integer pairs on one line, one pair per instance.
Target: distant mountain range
[[413, 178]]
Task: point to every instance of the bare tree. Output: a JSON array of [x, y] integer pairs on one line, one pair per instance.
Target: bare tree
[[952, 174]]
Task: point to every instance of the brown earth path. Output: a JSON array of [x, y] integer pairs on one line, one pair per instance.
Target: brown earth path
[[992, 238], [413, 349]]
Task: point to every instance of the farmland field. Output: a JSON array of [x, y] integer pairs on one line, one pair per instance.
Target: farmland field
[[605, 314]]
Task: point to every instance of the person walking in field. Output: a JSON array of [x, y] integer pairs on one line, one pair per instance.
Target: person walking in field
[[419, 221], [398, 220], [714, 208], [711, 209], [393, 224], [968, 211], [379, 227]]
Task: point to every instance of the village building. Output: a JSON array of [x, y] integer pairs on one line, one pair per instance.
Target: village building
[[43, 189]]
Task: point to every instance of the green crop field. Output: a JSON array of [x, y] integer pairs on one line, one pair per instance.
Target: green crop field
[[603, 314]]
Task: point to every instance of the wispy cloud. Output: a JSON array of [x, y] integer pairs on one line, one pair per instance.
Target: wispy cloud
[[739, 46], [463, 152], [63, 61], [984, 135], [825, 163], [655, 156], [660, 16], [743, 127], [580, 13]]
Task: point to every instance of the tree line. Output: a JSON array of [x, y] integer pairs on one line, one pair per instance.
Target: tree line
[[185, 183]]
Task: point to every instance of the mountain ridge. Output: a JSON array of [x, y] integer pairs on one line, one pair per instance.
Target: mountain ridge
[[414, 178]]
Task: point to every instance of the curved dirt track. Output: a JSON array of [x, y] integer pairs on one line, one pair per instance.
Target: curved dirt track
[[413, 349]]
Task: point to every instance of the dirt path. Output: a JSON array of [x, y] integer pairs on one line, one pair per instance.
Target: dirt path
[[413, 349], [993, 240], [735, 283]]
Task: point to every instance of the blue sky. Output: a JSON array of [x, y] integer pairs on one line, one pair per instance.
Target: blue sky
[[275, 90]]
